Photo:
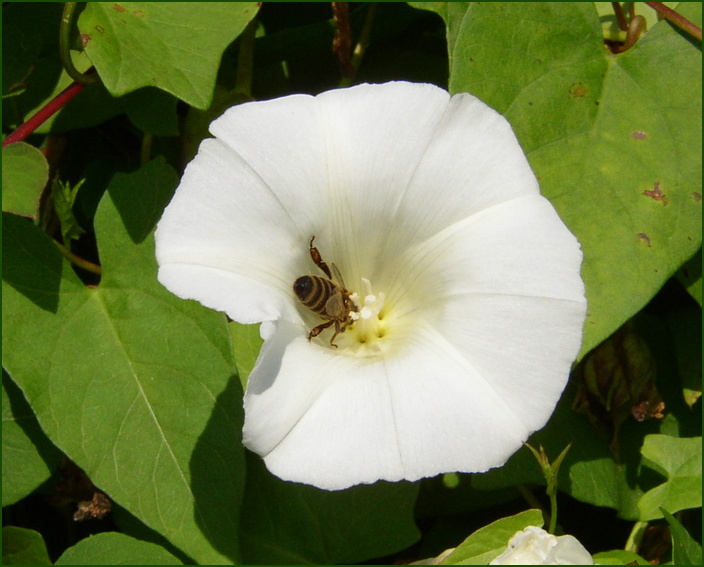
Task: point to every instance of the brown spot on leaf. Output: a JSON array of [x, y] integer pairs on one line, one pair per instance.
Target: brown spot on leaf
[[139, 13], [100, 29], [656, 194], [578, 90], [119, 8], [697, 197], [639, 135], [85, 38], [645, 238]]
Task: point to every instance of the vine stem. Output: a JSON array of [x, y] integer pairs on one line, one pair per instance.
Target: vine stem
[[635, 537], [620, 18], [77, 260], [680, 21], [343, 38], [43, 114], [65, 48], [362, 44]]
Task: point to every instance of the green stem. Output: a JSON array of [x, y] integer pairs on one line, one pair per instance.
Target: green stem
[[553, 511], [14, 93], [89, 76], [636, 536], [77, 260]]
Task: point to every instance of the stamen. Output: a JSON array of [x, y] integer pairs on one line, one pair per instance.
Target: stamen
[[367, 325]]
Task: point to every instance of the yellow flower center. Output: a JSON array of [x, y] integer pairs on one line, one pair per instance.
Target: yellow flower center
[[363, 338]]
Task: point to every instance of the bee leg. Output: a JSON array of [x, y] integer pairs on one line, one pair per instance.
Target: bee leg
[[315, 255], [315, 331], [338, 329]]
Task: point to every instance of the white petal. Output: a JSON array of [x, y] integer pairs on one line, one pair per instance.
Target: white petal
[[339, 162], [524, 346], [328, 420], [519, 247], [503, 288], [569, 551], [281, 142], [236, 234], [474, 161], [225, 241]]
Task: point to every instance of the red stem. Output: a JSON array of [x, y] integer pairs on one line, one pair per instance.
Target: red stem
[[618, 11], [680, 21], [43, 114]]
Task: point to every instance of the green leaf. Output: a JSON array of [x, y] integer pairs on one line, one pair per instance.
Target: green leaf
[[152, 110], [136, 386], [28, 457], [685, 550], [64, 197], [149, 109], [116, 549], [680, 461], [690, 276], [618, 557], [138, 44], [24, 175], [247, 343], [295, 523], [615, 140], [491, 541], [21, 546]]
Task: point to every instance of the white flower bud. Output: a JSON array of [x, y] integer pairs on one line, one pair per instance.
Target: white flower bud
[[535, 546]]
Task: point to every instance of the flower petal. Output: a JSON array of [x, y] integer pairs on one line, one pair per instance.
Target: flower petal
[[503, 287], [519, 247], [281, 171], [472, 271], [327, 421], [211, 245], [339, 159], [473, 162]]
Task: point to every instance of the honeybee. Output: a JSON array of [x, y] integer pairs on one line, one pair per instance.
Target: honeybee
[[330, 300]]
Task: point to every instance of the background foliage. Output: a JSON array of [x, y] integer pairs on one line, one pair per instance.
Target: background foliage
[[123, 403]]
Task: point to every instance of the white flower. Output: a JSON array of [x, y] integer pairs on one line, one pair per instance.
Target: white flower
[[535, 546], [466, 308]]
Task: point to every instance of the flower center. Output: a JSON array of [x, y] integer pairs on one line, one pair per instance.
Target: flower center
[[369, 326]]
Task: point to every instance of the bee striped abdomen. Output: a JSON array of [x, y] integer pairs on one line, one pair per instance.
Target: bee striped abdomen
[[330, 300], [314, 292]]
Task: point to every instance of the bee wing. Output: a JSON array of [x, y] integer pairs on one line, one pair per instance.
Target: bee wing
[[338, 276]]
